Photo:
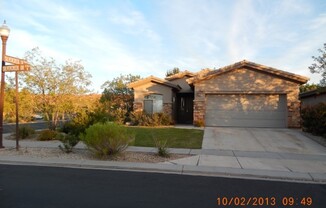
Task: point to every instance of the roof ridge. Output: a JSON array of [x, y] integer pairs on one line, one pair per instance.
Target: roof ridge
[[152, 78], [236, 65]]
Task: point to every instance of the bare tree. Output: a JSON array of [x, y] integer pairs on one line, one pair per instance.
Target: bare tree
[[320, 65]]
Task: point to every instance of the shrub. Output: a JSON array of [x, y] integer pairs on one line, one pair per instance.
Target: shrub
[[162, 149], [106, 139], [314, 119], [69, 141], [73, 128], [25, 132], [82, 121], [47, 135], [199, 123], [156, 119], [161, 119], [118, 115]]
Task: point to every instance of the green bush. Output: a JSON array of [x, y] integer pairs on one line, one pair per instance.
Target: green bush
[[25, 132], [106, 139], [69, 141], [82, 121], [47, 135], [156, 119], [314, 119], [73, 128]]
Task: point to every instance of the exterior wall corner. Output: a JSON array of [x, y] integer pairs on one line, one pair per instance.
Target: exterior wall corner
[[294, 117], [199, 111]]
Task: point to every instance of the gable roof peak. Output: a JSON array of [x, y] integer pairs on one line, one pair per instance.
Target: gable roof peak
[[252, 65], [180, 75], [154, 79]]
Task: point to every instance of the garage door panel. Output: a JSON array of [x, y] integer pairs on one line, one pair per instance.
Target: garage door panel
[[247, 123], [246, 110], [245, 115]]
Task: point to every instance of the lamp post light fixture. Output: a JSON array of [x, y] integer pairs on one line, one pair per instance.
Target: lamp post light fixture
[[4, 33]]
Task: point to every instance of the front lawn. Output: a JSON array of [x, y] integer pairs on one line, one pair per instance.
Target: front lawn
[[176, 138]]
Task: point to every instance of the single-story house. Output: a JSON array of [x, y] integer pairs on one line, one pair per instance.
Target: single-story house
[[313, 97], [244, 94]]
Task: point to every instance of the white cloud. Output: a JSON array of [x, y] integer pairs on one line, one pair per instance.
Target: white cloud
[[123, 37], [319, 22], [134, 22]]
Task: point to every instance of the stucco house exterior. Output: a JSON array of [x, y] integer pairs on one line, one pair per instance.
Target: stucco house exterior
[[313, 97], [244, 94]]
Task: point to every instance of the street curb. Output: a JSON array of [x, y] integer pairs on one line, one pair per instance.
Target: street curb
[[174, 169]]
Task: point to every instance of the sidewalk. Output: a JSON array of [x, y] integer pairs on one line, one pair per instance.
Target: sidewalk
[[206, 162]]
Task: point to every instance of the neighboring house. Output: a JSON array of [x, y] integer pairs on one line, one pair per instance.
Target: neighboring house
[[313, 97], [244, 94]]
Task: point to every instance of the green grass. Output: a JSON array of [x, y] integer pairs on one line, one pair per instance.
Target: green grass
[[176, 138]]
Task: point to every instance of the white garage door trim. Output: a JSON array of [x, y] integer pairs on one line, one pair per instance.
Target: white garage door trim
[[246, 110]]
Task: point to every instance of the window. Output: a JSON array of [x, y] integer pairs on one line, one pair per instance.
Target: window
[[153, 103]]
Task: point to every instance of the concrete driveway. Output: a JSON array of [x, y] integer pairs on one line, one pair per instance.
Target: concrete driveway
[[259, 152], [260, 140]]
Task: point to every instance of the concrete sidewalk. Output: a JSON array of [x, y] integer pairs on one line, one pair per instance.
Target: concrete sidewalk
[[261, 164], [208, 162]]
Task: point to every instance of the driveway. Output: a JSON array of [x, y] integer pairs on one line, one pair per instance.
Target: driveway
[[259, 152], [260, 140]]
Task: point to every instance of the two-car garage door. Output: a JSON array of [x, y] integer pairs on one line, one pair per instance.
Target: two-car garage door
[[246, 110]]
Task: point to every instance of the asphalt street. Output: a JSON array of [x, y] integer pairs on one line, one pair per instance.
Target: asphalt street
[[35, 186], [9, 128]]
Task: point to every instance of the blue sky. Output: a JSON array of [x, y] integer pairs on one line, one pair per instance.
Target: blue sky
[[145, 38]]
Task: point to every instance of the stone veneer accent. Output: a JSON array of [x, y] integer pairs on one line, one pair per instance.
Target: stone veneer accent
[[167, 108], [294, 118], [199, 111]]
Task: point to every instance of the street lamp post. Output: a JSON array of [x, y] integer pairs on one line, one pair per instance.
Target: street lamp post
[[4, 33]]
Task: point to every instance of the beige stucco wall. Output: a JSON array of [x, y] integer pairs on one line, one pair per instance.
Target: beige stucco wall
[[183, 84], [248, 81], [153, 88], [313, 100]]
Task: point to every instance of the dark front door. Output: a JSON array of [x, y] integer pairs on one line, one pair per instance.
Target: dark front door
[[185, 108]]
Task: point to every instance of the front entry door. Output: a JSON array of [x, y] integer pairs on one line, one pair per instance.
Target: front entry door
[[185, 108]]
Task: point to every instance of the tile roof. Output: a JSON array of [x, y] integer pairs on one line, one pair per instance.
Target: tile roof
[[180, 75], [283, 74], [155, 80]]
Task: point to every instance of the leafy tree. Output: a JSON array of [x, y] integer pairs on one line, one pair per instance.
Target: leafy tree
[[25, 100], [308, 87], [89, 103], [173, 71], [54, 85], [117, 98], [320, 65]]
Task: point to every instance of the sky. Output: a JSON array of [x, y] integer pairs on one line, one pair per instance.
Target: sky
[[149, 37]]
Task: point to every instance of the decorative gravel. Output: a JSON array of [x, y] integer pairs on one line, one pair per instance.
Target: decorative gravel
[[82, 154]]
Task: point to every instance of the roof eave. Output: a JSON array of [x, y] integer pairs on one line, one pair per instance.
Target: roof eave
[[293, 77], [154, 80]]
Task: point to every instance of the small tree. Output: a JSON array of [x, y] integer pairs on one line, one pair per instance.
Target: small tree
[[308, 87], [26, 102], [117, 98], [320, 65], [54, 85], [173, 71]]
